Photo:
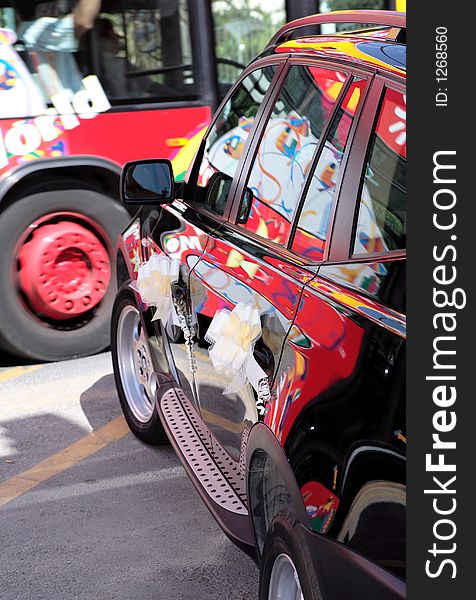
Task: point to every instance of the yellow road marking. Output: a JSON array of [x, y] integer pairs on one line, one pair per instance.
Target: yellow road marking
[[214, 419], [18, 372], [63, 460]]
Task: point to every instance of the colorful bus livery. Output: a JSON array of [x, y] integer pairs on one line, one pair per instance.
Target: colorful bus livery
[[20, 96], [38, 135], [41, 136]]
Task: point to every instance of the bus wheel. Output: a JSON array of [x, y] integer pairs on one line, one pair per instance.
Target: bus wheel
[[57, 276]]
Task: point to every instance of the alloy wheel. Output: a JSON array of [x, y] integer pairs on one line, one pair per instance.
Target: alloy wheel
[[135, 365], [284, 582]]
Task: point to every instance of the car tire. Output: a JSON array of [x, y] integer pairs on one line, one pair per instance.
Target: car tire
[[286, 556], [24, 330], [133, 370]]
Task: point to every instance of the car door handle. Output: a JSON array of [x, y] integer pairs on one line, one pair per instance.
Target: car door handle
[[264, 357], [179, 291]]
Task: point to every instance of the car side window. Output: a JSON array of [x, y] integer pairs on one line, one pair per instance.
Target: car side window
[[381, 222], [286, 150], [312, 227], [226, 140]]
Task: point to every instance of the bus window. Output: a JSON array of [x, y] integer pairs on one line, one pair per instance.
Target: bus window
[[142, 50], [242, 30], [139, 51]]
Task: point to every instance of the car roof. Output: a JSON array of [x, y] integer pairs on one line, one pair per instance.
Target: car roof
[[368, 47]]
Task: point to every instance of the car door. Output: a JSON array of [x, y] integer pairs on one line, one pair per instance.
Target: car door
[[181, 230], [343, 421], [246, 262]]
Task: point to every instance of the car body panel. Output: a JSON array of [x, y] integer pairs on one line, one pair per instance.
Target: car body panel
[[375, 53], [236, 270], [332, 340], [345, 392]]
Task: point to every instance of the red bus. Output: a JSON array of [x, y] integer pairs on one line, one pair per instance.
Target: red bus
[[140, 81]]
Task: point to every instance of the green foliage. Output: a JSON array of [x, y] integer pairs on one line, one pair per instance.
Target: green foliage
[[242, 30]]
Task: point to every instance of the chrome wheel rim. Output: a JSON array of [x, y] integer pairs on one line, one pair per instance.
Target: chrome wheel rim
[[135, 365], [284, 582]]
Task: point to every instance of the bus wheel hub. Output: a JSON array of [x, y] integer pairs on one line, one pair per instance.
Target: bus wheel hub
[[64, 270]]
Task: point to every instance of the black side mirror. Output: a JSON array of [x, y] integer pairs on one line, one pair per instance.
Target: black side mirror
[[147, 182], [217, 190], [245, 206]]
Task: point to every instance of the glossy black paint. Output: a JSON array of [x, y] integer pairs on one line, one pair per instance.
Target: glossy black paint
[[333, 347]]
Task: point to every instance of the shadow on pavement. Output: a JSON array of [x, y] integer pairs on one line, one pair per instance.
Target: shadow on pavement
[[25, 442]]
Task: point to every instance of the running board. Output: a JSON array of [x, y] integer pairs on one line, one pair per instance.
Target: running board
[[232, 470], [181, 422]]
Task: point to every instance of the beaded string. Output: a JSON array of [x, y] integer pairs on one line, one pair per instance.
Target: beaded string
[[185, 324]]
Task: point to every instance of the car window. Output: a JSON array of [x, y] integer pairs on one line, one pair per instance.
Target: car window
[[381, 223], [311, 231], [227, 138], [286, 150]]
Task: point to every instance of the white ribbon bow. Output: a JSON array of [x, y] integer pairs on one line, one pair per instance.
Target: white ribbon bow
[[232, 336], [154, 285]]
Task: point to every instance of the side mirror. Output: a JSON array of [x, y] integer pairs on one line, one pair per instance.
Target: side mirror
[[147, 182], [217, 190], [245, 206]]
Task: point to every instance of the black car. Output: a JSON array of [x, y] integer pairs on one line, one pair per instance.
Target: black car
[[260, 320]]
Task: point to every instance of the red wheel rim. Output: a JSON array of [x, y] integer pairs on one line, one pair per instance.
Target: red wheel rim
[[63, 267]]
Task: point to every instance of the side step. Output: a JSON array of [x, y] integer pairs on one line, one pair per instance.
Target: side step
[[181, 422], [232, 470]]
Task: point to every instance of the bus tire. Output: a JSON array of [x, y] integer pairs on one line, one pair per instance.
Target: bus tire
[[28, 328]]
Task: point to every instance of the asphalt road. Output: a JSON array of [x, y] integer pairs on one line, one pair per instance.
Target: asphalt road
[[87, 511]]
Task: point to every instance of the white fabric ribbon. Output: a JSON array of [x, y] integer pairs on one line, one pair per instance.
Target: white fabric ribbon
[[154, 285], [232, 335]]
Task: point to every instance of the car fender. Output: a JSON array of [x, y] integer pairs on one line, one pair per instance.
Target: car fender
[[262, 444], [129, 252]]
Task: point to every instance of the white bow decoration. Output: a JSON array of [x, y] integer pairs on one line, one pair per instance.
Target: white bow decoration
[[154, 285], [232, 335]]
